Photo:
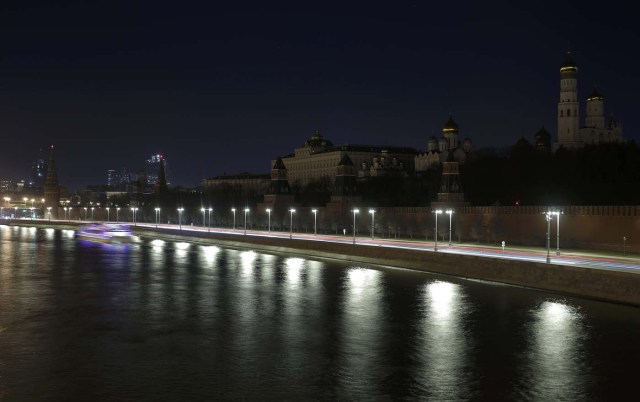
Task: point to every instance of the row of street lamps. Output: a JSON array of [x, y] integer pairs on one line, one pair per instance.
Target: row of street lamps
[[67, 210]]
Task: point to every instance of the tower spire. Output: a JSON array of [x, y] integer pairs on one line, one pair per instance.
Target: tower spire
[[51, 187]]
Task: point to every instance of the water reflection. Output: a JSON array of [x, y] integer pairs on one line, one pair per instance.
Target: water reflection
[[360, 337], [556, 366], [444, 345]]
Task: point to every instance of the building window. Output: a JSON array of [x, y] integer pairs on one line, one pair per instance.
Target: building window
[[568, 112]]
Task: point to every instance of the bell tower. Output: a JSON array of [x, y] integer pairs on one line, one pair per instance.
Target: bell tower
[[568, 105]]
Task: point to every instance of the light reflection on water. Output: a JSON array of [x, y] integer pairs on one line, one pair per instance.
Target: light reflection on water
[[172, 320]]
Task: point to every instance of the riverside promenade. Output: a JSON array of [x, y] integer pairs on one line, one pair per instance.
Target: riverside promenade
[[612, 277]]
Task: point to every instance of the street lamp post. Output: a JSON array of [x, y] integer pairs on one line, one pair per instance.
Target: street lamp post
[[157, 216], [134, 210], [108, 219], [624, 246], [373, 222], [315, 221], [355, 211], [117, 214], [548, 217], [49, 211], [204, 218], [269, 221], [180, 218], [85, 213], [291, 223], [234, 218], [92, 208], [435, 230], [210, 209], [246, 210], [557, 214], [450, 213]]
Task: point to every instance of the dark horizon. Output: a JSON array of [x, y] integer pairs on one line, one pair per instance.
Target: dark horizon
[[229, 88]]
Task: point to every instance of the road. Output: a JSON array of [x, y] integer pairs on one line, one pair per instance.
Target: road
[[582, 258]]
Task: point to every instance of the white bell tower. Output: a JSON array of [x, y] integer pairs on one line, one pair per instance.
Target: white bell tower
[[568, 106]]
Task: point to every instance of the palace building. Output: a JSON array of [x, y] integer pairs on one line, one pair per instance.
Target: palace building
[[317, 159]]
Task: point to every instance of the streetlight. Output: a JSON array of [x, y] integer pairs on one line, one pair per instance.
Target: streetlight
[[315, 220], [557, 214], [65, 213], [157, 216], [180, 217], [234, 218], [117, 214], [548, 218], [291, 223], [355, 211], [134, 215], [624, 245], [269, 225], [450, 213], [108, 220], [210, 209], [85, 213], [204, 218], [70, 213], [92, 208], [49, 210], [435, 230], [245, 220], [373, 220]]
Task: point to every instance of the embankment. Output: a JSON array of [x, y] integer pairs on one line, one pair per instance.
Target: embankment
[[611, 286]]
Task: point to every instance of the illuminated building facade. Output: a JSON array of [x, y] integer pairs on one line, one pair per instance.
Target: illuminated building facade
[[317, 159]]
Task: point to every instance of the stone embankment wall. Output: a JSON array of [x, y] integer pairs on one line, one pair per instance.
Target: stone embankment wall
[[612, 286]]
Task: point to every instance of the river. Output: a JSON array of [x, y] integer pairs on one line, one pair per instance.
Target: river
[[165, 321]]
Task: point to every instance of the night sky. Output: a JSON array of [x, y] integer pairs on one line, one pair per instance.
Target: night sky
[[227, 87]]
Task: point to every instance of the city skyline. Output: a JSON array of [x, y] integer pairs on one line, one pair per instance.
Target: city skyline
[[226, 90]]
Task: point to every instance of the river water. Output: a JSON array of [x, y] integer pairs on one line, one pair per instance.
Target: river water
[[158, 321]]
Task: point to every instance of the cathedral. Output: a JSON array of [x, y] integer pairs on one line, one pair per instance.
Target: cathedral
[[441, 150], [596, 129]]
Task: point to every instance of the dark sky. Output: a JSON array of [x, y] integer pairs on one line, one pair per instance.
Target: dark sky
[[225, 87]]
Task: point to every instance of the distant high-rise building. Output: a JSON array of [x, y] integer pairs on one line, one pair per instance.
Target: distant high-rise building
[[38, 174], [112, 178], [153, 169]]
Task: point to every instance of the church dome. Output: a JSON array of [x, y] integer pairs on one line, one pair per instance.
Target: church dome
[[569, 64], [595, 95], [450, 125], [318, 141], [543, 138]]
